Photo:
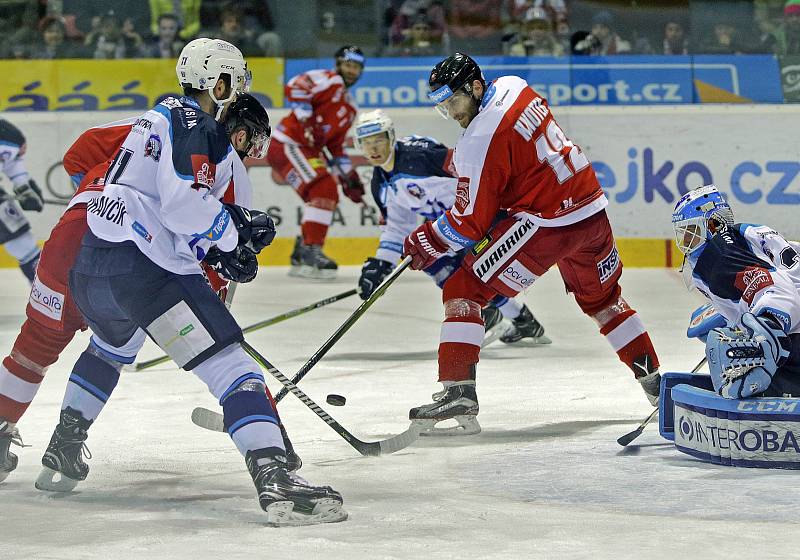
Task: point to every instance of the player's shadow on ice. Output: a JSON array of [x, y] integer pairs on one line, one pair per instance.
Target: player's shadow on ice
[[490, 436]]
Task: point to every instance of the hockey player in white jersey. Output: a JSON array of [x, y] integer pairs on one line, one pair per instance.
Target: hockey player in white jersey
[[411, 179], [138, 269], [15, 230], [751, 275]]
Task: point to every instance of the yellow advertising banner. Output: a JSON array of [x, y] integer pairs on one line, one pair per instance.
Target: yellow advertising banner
[[108, 85]]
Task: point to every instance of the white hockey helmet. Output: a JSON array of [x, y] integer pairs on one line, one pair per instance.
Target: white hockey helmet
[[372, 123], [203, 61], [692, 213]]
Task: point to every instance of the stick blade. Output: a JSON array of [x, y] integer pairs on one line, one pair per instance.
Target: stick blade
[[630, 436], [208, 419]]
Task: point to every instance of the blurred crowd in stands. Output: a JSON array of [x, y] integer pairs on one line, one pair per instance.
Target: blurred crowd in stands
[[108, 29]]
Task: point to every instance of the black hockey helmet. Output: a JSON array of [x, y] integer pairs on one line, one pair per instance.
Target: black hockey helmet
[[248, 113], [452, 74], [350, 52]]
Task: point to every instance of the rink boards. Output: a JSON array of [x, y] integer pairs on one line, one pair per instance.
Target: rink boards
[[645, 158]]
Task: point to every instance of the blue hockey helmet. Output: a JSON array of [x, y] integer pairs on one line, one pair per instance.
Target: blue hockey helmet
[[692, 214]]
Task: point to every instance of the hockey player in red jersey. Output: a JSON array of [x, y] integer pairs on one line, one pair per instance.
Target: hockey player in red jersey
[[513, 156], [308, 152], [52, 317]]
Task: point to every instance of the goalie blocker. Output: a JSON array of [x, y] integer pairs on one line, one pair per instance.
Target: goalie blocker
[[761, 432]]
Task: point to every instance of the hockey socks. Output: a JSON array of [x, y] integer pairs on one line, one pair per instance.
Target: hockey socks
[[22, 371], [460, 340], [509, 307], [249, 417], [93, 379], [627, 335]]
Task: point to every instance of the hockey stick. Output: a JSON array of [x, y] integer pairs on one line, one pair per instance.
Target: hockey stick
[[261, 324], [211, 420], [356, 315], [630, 436], [374, 448]]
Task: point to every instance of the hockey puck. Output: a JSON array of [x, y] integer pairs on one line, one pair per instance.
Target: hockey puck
[[336, 400]]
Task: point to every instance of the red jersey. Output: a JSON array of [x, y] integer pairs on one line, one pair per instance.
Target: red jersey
[[96, 145], [513, 156], [322, 112]]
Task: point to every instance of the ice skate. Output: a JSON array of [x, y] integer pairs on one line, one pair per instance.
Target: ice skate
[[648, 377], [288, 499], [493, 324], [63, 465], [525, 328], [315, 264], [8, 461], [457, 401], [296, 258]]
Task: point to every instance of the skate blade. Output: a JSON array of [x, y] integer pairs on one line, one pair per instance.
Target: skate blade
[[4, 475], [48, 483], [282, 514], [536, 341], [494, 333], [467, 426], [294, 270], [312, 273]]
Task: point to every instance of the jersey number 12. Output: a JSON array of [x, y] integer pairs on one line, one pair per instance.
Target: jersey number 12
[[548, 148]]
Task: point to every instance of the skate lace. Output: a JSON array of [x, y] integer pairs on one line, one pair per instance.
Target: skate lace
[[16, 438]]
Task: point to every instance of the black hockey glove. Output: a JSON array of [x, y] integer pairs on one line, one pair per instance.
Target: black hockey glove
[[239, 265], [29, 196], [256, 229], [372, 274]]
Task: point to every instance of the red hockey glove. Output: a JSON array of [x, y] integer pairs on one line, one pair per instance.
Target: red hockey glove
[[424, 246], [352, 187]]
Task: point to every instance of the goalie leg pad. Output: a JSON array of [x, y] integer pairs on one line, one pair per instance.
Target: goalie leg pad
[[742, 363]]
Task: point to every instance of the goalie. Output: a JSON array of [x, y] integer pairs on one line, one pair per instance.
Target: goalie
[[751, 275]]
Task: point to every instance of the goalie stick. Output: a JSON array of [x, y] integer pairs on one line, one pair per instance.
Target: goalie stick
[[367, 448], [261, 324], [630, 436]]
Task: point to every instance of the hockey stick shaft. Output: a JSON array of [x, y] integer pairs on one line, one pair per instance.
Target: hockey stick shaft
[[630, 436], [261, 324], [363, 447], [356, 315]]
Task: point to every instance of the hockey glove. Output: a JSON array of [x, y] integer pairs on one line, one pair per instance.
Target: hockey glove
[[424, 247], [372, 274], [256, 229], [29, 196], [239, 265], [743, 362], [352, 187]]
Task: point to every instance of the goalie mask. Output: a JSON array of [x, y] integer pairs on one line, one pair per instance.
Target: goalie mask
[[375, 125], [692, 214]]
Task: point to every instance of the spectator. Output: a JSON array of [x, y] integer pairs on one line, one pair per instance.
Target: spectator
[[187, 12], [231, 30], [726, 39], [475, 19], [536, 37], [109, 40], [53, 44], [675, 41], [418, 41], [583, 43], [786, 38], [255, 20], [556, 9], [406, 16], [166, 44], [603, 29]]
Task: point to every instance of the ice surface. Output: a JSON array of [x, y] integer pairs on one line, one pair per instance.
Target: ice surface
[[545, 479]]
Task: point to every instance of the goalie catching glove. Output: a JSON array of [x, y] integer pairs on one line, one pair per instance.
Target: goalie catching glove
[[29, 196], [424, 247], [372, 274], [255, 228], [743, 362], [239, 265]]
